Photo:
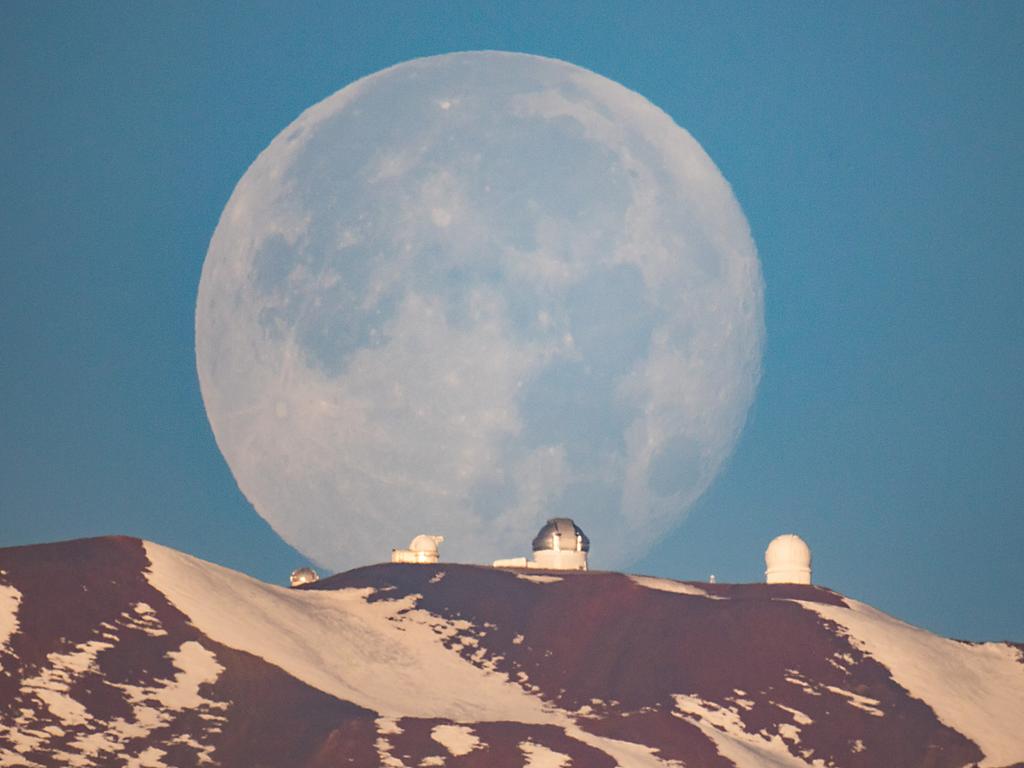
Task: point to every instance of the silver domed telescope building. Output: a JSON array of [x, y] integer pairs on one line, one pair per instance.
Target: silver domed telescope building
[[560, 545]]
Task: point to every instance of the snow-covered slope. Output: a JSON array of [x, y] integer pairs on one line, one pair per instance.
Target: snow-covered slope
[[119, 652], [977, 689]]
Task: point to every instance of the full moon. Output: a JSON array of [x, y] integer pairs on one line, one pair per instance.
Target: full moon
[[472, 292]]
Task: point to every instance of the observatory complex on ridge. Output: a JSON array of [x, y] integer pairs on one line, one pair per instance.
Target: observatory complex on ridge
[[561, 545]]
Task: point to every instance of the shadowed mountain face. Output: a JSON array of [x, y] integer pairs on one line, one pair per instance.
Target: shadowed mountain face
[[119, 652]]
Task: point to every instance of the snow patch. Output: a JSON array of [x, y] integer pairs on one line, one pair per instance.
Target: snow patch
[[383, 747], [9, 758], [144, 619], [799, 717], [151, 757], [723, 726], [196, 666], [739, 701], [793, 677], [976, 689], [91, 740], [538, 578], [842, 661], [10, 601], [457, 739], [668, 585], [625, 753], [52, 683], [387, 725], [90, 745], [539, 756], [789, 733], [858, 702]]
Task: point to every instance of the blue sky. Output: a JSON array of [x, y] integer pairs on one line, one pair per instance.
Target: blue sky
[[875, 151]]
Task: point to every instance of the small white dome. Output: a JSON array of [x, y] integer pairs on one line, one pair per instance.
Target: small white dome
[[302, 576], [425, 543], [788, 560]]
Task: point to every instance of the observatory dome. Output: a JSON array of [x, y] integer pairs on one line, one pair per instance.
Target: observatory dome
[[787, 560], [425, 543], [422, 549], [561, 545], [561, 534], [302, 576]]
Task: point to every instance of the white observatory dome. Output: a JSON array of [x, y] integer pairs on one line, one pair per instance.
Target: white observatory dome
[[422, 549], [302, 576], [425, 543], [787, 560]]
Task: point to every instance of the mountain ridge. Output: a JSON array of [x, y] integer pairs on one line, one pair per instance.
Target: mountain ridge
[[117, 651]]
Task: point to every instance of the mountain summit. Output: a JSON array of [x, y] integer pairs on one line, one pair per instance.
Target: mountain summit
[[115, 651]]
